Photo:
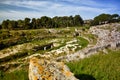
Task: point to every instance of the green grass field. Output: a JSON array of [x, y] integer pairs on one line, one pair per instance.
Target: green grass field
[[98, 67]]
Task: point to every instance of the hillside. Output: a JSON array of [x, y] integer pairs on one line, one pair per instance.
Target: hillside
[[20, 45], [61, 44]]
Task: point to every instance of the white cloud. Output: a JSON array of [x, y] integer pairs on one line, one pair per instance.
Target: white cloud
[[37, 5], [93, 3], [49, 5], [49, 8]]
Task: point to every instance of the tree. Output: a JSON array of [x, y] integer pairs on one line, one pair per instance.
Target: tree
[[119, 19], [78, 20], [71, 21], [105, 18], [38, 23], [0, 27], [27, 23], [12, 25], [5, 24], [33, 23], [46, 22], [101, 19], [20, 24], [58, 21], [114, 18], [43, 22]]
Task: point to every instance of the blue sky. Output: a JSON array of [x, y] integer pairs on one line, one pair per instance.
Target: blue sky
[[88, 9]]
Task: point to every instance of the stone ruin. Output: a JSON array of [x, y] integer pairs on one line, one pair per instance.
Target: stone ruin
[[107, 37], [41, 69]]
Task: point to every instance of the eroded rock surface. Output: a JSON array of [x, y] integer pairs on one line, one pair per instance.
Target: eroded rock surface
[[40, 69]]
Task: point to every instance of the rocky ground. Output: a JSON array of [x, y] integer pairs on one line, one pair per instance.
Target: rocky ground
[[66, 48], [108, 37], [17, 56]]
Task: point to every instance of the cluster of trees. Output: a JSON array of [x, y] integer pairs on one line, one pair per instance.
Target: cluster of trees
[[105, 18], [65, 21], [43, 22]]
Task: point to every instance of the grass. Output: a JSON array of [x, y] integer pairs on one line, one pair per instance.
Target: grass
[[98, 67], [92, 38], [13, 57], [16, 75], [83, 42]]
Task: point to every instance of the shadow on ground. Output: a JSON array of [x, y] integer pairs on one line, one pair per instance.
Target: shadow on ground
[[84, 77]]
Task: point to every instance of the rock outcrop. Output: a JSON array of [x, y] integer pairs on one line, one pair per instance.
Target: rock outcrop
[[40, 69], [107, 37]]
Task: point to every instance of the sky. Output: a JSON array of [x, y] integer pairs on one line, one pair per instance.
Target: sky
[[87, 9]]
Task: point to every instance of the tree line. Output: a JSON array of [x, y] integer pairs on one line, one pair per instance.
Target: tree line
[[43, 22], [55, 22], [105, 18]]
